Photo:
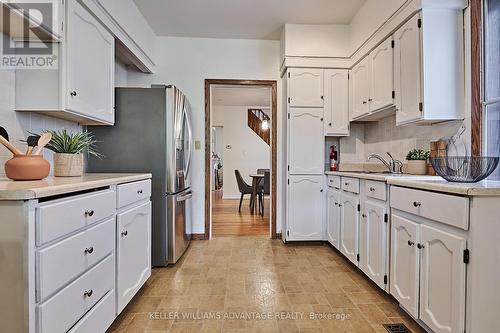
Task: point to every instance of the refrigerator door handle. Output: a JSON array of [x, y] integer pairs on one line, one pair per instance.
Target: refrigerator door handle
[[190, 136], [184, 197]]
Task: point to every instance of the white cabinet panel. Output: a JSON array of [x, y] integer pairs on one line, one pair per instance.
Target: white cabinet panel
[[349, 226], [336, 102], [305, 202], [407, 72], [90, 57], [405, 263], [442, 281], [381, 76], [373, 242], [305, 87], [333, 217], [305, 142], [360, 89], [133, 252]]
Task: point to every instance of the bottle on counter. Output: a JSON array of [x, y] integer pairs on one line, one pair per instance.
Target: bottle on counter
[[333, 159]]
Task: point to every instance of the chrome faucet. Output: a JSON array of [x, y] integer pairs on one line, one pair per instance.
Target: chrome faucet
[[393, 166]]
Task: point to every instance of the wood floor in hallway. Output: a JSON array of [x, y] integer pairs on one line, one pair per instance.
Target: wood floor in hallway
[[227, 221], [248, 275]]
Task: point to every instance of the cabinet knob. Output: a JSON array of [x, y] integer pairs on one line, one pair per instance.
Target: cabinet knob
[[370, 99], [364, 102], [340, 205], [346, 184], [89, 250], [372, 189], [125, 233], [363, 216], [322, 97], [321, 119], [321, 190], [89, 212], [417, 203], [330, 124], [336, 204], [420, 246], [88, 293], [411, 243], [73, 93], [139, 191]]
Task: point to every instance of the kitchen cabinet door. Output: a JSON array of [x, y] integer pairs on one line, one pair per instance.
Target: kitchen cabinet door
[[336, 102], [349, 226], [360, 89], [442, 281], [305, 142], [90, 58], [133, 252], [381, 76], [305, 87], [405, 263], [333, 217], [373, 242], [305, 202], [407, 72]]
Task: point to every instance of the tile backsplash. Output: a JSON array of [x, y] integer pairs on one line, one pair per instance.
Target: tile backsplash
[[18, 124]]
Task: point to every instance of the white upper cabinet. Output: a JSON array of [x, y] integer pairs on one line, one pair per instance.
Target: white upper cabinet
[[381, 76], [333, 217], [405, 263], [349, 226], [305, 214], [90, 57], [429, 67], [360, 89], [373, 241], [305, 86], [336, 102], [305, 141], [442, 276]]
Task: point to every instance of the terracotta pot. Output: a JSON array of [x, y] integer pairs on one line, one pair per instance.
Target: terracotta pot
[[417, 167], [68, 165], [31, 167]]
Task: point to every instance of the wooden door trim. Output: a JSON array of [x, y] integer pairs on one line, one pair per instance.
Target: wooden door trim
[[274, 144], [476, 99]]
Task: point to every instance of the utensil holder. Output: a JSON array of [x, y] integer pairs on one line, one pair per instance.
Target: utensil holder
[[23, 167]]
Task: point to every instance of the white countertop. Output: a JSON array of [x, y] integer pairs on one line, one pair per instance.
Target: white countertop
[[26, 190], [429, 183]]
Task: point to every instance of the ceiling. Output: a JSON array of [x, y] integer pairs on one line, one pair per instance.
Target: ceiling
[[241, 96], [241, 19]]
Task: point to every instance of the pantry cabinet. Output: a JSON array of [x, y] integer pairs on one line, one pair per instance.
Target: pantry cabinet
[[305, 141], [305, 214], [360, 89], [305, 87], [333, 217], [349, 226], [336, 102]]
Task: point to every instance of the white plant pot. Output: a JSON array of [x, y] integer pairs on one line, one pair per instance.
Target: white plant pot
[[68, 165], [417, 167]]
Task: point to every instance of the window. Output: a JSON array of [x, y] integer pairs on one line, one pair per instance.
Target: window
[[491, 81]]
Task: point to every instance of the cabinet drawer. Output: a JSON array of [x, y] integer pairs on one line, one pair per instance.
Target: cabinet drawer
[[133, 192], [333, 181], [59, 218], [350, 184], [376, 190], [100, 318], [448, 209], [75, 255], [61, 312]]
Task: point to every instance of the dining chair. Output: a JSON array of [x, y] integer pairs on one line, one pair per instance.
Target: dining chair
[[243, 187], [266, 190]]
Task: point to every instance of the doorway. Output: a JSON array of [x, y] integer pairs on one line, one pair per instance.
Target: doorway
[[248, 143]]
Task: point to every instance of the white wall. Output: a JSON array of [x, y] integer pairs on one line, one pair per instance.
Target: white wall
[[187, 62], [316, 40], [248, 151]]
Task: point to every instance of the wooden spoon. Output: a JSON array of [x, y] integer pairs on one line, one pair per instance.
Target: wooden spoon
[[42, 142], [4, 140]]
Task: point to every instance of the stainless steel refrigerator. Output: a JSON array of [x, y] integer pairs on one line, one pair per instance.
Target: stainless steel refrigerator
[[152, 133]]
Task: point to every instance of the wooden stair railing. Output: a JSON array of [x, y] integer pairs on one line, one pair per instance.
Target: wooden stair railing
[[255, 119]]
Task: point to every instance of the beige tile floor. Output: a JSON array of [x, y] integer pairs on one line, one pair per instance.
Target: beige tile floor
[[232, 275]]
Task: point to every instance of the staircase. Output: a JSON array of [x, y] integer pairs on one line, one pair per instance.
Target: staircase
[[255, 119]]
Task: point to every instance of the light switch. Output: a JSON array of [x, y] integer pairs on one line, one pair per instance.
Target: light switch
[[197, 144]]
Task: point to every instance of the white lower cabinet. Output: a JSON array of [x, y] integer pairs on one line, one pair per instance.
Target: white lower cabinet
[[133, 252], [349, 226], [373, 238], [305, 202], [428, 274], [333, 217]]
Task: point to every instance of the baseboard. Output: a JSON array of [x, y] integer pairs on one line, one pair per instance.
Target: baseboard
[[278, 235], [198, 236]]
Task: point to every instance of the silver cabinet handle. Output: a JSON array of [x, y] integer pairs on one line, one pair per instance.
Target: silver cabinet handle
[[88, 293], [89, 212], [417, 203], [73, 93], [139, 191], [411, 243], [124, 233], [89, 250]]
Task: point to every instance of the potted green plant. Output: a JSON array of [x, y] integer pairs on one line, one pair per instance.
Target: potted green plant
[[69, 149], [417, 161]]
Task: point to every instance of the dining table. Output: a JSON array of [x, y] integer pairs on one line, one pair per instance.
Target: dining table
[[256, 178]]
